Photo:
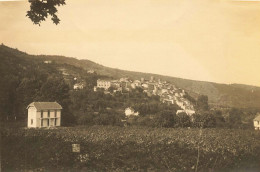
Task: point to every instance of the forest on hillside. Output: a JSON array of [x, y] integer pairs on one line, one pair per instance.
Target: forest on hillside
[[26, 78]]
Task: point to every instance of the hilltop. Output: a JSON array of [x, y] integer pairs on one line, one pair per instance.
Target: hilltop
[[220, 95]]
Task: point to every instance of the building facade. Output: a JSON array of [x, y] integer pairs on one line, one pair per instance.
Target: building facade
[[257, 122], [103, 84], [130, 112], [44, 114], [78, 86]]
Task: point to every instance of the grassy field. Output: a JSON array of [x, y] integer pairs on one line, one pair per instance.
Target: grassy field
[[107, 148]]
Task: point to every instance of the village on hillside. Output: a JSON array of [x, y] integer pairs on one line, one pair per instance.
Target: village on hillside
[[167, 92]]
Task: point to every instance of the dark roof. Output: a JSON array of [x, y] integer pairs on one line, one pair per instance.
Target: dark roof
[[257, 118], [45, 105]]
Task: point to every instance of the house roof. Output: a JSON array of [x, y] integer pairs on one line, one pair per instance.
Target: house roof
[[130, 108], [257, 118], [45, 105]]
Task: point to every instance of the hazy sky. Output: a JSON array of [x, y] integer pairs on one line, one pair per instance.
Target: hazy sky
[[210, 40]]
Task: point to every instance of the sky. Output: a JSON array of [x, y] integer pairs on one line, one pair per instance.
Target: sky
[[207, 40]]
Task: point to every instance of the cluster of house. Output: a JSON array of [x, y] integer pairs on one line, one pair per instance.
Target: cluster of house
[[48, 114], [79, 85], [168, 92], [123, 84]]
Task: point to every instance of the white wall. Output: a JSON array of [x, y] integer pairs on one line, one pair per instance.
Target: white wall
[[35, 115], [128, 112], [38, 116], [257, 125], [32, 122]]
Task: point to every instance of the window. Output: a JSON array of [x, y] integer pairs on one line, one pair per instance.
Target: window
[[48, 122], [41, 122], [55, 122], [31, 121], [41, 113], [48, 113], [55, 113]]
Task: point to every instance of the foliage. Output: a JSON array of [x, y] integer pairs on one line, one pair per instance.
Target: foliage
[[234, 118], [219, 95], [30, 79], [129, 149], [182, 120], [40, 9], [219, 119], [202, 103], [165, 119]]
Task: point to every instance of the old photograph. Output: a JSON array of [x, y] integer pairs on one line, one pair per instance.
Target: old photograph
[[129, 85]]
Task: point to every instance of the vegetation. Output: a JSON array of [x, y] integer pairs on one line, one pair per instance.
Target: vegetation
[[30, 79], [170, 141], [219, 95], [41, 9], [130, 149], [26, 80]]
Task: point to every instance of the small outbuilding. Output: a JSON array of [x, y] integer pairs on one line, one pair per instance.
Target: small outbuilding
[[257, 122], [78, 86], [130, 112], [44, 114]]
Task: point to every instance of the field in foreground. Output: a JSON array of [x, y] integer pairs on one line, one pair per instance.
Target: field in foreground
[[106, 148]]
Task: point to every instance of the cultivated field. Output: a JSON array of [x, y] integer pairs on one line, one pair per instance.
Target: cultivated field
[[106, 148]]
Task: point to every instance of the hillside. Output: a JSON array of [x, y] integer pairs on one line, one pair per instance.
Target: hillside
[[232, 95]]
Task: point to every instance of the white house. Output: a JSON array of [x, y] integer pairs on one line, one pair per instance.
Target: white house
[[257, 122], [78, 86], [145, 85], [190, 112], [47, 61], [137, 83], [44, 114], [187, 111], [180, 111], [103, 84], [91, 71], [168, 101], [130, 112], [133, 85]]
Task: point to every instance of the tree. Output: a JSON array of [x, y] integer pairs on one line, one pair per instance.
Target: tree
[[220, 120], [204, 120], [202, 103], [234, 118], [165, 119], [182, 120], [41, 9], [111, 89], [55, 89]]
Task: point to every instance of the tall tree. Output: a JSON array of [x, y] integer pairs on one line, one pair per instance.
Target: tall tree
[[202, 103], [234, 118]]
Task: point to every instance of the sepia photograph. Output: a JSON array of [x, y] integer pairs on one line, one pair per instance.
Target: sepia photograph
[[129, 85]]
